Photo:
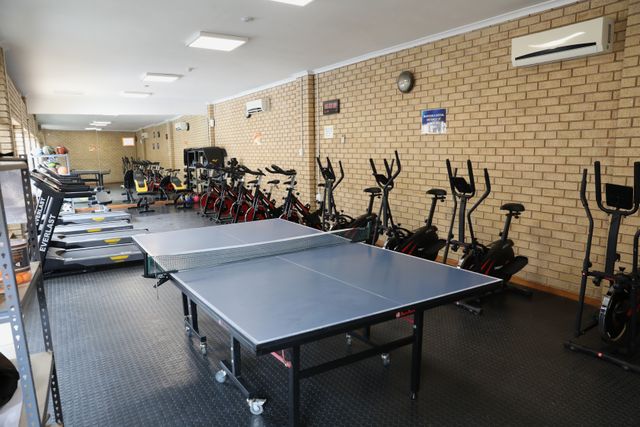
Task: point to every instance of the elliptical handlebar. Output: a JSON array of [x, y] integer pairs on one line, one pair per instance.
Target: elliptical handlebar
[[453, 176], [393, 169], [341, 174], [487, 191], [636, 191]]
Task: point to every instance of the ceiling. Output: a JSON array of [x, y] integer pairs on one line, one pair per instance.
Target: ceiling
[[73, 58], [82, 121]]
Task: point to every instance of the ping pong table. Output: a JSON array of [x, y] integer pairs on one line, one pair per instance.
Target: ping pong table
[[274, 303]]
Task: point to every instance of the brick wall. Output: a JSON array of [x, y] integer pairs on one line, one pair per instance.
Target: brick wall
[[165, 145], [534, 128], [93, 150], [274, 136]]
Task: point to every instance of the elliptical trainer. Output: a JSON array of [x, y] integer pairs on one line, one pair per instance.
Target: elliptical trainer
[[617, 319], [498, 259]]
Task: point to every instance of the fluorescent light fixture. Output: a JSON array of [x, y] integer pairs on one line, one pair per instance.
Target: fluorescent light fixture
[[212, 41], [92, 129], [131, 94], [68, 92], [295, 2], [160, 77], [96, 123]]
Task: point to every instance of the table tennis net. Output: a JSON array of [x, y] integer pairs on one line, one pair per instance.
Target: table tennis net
[[229, 254]]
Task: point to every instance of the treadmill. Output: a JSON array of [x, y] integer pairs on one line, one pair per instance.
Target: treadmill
[[89, 240], [93, 218], [62, 260], [54, 189], [93, 228]]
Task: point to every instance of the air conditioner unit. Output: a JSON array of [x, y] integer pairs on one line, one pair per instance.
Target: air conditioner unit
[[257, 106], [581, 39], [144, 135], [182, 126]]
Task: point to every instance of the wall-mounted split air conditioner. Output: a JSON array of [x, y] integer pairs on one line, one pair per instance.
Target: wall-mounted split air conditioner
[[257, 106], [573, 41]]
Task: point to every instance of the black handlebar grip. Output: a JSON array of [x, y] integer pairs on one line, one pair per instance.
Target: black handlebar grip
[[598, 183], [583, 188], [472, 180], [330, 166], [397, 160], [451, 176], [487, 181], [373, 166]]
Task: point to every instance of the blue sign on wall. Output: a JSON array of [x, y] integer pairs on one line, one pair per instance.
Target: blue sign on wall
[[434, 121]]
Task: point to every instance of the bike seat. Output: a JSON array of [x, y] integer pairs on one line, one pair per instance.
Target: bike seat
[[438, 192], [255, 181], [274, 182], [290, 182], [373, 190], [512, 207], [321, 185]]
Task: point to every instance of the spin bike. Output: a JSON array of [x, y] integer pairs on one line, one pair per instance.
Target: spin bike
[[617, 319], [498, 258], [293, 210]]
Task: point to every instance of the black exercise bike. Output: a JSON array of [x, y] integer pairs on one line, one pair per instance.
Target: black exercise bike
[[617, 319], [498, 259]]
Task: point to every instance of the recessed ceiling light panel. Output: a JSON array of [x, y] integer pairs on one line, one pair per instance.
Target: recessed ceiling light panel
[[130, 94], [92, 129], [96, 123], [161, 77], [295, 2], [213, 41]]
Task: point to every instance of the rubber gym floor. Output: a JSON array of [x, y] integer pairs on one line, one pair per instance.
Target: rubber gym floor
[[124, 360]]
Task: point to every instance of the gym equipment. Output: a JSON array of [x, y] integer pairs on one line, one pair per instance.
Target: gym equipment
[[93, 218], [293, 209], [54, 190], [497, 259], [88, 240], [384, 220], [328, 211], [424, 241], [617, 319]]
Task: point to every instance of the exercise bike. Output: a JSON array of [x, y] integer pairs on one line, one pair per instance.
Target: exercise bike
[[617, 319], [424, 241], [498, 259], [331, 218]]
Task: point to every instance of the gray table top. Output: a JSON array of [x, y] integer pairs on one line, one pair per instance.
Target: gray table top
[[271, 300]]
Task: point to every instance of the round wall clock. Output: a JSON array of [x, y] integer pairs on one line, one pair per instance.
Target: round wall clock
[[405, 81]]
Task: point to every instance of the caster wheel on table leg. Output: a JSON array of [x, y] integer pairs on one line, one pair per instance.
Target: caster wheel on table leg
[[221, 376], [203, 348], [187, 331], [386, 359], [256, 406]]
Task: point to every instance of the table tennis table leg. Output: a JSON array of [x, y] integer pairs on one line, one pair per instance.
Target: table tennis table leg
[[190, 311], [294, 386], [416, 353]]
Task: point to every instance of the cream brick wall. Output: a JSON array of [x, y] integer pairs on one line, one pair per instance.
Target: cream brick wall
[[94, 150], [282, 131], [534, 128], [171, 143]]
